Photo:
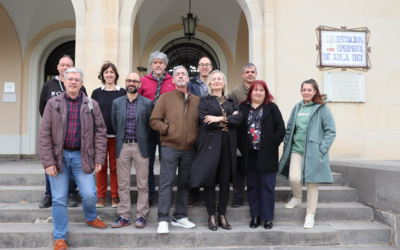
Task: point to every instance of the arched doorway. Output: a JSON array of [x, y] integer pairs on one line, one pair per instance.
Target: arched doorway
[[50, 69], [181, 51]]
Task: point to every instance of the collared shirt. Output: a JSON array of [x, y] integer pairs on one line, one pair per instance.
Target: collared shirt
[[203, 86], [130, 122], [117, 88], [73, 134], [255, 128]]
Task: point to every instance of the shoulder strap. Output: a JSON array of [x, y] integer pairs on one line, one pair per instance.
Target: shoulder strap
[[90, 105], [253, 118]]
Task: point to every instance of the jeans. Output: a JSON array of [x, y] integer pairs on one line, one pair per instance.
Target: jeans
[[154, 141], [72, 167], [71, 189]]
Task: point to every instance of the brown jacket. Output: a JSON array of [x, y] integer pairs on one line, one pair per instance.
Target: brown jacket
[[180, 116], [53, 130]]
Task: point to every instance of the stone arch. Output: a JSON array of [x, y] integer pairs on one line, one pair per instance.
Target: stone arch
[[36, 79], [130, 8]]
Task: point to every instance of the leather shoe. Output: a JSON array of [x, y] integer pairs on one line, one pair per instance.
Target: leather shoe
[[222, 222], [255, 221], [212, 224], [268, 224]]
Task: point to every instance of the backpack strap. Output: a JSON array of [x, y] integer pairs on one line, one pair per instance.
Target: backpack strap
[[90, 105]]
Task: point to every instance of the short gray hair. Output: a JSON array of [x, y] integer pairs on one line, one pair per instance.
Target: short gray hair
[[224, 90], [178, 67], [66, 56], [249, 65], [158, 55], [73, 70]]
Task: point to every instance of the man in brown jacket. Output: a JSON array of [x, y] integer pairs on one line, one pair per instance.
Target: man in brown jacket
[[72, 142], [176, 118]]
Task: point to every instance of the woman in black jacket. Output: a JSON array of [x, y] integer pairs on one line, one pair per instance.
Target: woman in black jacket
[[215, 160], [259, 136]]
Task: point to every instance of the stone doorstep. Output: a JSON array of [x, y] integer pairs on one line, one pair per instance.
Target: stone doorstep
[[16, 194], [36, 178], [364, 247], [79, 234], [326, 212]]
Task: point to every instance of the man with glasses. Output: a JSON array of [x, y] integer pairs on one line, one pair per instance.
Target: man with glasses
[[130, 120], [197, 86], [176, 118], [72, 143], [153, 86], [50, 89]]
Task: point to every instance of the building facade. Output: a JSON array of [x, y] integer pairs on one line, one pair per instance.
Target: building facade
[[278, 36]]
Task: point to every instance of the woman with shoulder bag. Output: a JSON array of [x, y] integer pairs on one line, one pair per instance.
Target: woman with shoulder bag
[[309, 135], [259, 136]]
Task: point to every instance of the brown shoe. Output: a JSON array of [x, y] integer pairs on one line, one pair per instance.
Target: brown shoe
[[115, 202], [97, 223], [60, 245], [100, 202], [192, 202]]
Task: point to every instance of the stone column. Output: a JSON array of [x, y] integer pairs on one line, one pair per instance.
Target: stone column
[[101, 41], [269, 44]]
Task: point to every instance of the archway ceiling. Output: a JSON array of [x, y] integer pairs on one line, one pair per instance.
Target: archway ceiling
[[222, 16], [32, 16]]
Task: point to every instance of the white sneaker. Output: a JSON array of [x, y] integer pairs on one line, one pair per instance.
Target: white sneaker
[[293, 203], [184, 222], [162, 227], [309, 222]]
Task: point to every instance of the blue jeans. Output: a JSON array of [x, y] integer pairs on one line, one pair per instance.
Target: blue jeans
[[72, 167], [71, 189], [154, 141]]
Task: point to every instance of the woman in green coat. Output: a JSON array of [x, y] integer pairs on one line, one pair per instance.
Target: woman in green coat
[[309, 135]]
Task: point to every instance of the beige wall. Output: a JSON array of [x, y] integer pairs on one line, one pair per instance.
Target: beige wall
[[11, 71], [368, 130], [242, 49]]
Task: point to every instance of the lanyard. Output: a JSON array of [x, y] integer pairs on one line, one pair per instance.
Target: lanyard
[[62, 90]]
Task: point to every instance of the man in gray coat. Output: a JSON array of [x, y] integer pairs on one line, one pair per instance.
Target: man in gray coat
[[130, 116]]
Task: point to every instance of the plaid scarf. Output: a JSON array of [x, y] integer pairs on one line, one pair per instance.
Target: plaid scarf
[[160, 81]]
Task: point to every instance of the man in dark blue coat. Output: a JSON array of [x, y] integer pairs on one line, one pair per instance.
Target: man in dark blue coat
[[197, 86], [130, 117]]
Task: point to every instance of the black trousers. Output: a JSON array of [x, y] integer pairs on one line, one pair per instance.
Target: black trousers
[[260, 189], [223, 176]]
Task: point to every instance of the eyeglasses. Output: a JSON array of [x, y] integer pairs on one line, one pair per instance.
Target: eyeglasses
[[205, 65], [132, 81], [74, 79]]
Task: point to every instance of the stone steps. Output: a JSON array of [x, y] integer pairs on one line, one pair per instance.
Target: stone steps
[[336, 247], [80, 235], [21, 178], [16, 194], [30, 213]]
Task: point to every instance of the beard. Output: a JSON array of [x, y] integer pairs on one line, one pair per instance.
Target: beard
[[132, 91], [181, 84]]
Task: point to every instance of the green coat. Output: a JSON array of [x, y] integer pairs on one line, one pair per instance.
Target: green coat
[[321, 132]]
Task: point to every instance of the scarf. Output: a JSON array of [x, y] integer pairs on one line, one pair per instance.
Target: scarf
[[159, 82]]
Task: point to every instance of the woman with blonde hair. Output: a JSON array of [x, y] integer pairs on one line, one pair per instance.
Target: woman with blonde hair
[[215, 160]]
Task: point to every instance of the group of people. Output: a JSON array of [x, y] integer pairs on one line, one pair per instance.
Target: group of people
[[211, 138]]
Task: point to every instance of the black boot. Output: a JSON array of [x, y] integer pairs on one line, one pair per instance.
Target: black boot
[[222, 222], [46, 202], [212, 224]]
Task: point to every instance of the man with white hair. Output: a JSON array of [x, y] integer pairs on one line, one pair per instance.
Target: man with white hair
[[176, 118], [72, 143], [52, 88], [153, 86]]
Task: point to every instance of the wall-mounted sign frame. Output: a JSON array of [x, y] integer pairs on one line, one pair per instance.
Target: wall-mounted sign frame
[[343, 48]]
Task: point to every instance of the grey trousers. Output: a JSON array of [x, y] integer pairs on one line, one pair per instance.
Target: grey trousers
[[173, 158]]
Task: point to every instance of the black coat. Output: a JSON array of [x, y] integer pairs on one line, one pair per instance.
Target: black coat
[[208, 145], [272, 134]]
